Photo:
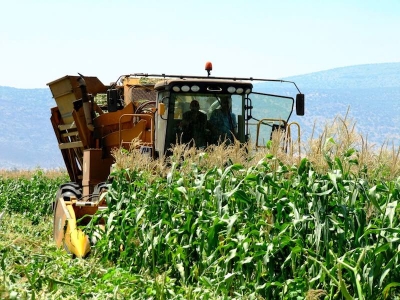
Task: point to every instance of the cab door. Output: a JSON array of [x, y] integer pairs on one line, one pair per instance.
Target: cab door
[[265, 113], [161, 123]]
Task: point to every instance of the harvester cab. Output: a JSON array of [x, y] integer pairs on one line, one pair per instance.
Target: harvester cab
[[252, 116], [157, 111]]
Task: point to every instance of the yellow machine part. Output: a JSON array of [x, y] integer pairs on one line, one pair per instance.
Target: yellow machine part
[[75, 239], [66, 231]]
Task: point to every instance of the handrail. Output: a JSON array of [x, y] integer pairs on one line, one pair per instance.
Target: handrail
[[288, 142], [270, 121], [298, 137]]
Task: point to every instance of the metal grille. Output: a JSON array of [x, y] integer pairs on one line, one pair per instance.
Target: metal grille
[[143, 94]]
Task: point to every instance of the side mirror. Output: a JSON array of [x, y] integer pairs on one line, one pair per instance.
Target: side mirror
[[300, 104], [161, 109]]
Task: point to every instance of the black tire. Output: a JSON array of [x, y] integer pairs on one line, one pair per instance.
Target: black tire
[[67, 190], [98, 190], [70, 189]]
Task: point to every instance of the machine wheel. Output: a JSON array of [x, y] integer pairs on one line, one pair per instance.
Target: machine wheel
[[70, 189], [66, 190], [74, 184]]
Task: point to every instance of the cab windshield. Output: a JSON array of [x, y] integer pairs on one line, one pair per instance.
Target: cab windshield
[[207, 103], [203, 119]]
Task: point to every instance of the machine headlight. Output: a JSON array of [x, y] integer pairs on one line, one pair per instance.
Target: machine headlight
[[176, 88], [231, 89], [195, 88], [248, 91], [239, 90], [185, 88]]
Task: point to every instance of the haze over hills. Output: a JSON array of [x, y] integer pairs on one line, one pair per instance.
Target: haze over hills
[[371, 92], [385, 75], [26, 137]]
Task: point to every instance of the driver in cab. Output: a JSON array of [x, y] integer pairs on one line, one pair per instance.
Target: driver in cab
[[194, 123], [223, 122]]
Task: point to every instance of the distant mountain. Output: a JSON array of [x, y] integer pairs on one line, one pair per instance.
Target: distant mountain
[[27, 138], [372, 92], [371, 76]]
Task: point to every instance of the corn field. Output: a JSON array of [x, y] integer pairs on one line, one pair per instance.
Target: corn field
[[219, 224]]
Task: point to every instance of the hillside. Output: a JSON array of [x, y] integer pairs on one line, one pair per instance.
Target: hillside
[[27, 139], [386, 75], [372, 92]]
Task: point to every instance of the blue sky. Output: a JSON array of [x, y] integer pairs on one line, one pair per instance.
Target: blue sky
[[41, 40]]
